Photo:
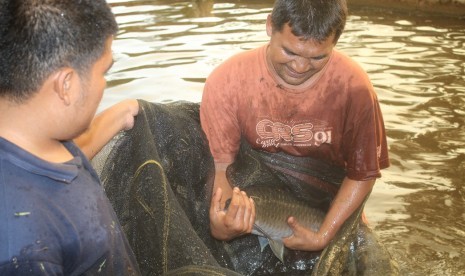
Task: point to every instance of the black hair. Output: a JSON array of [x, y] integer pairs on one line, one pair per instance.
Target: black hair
[[311, 19], [38, 37]]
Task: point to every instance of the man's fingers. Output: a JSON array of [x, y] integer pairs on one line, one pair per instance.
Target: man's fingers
[[232, 206], [241, 212], [294, 225], [252, 215], [247, 212], [216, 200]]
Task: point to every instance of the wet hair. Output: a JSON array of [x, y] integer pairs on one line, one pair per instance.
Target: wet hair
[[311, 19], [38, 37]]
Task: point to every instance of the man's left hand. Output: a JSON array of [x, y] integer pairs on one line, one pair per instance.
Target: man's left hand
[[302, 238]]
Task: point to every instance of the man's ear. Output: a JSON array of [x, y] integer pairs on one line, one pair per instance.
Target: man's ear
[[269, 26], [63, 84]]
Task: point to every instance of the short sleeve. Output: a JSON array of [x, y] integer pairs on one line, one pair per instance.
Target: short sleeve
[[366, 145], [218, 115]]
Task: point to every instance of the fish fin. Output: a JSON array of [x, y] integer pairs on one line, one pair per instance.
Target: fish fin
[[263, 242], [277, 247]]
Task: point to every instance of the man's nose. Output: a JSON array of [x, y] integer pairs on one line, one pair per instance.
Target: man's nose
[[301, 65]]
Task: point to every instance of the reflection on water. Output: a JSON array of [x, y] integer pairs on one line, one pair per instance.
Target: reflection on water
[[166, 49]]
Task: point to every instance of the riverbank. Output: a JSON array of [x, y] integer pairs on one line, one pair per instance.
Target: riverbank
[[438, 7]]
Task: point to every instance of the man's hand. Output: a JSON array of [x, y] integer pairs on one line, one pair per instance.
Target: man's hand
[[106, 125], [303, 238], [237, 220], [130, 109], [349, 197]]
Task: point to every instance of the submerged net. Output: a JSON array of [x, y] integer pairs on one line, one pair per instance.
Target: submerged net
[[159, 178]]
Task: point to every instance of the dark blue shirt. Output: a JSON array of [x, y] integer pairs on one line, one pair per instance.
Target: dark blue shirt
[[55, 218]]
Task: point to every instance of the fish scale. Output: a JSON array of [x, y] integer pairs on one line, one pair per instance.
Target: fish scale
[[273, 208]]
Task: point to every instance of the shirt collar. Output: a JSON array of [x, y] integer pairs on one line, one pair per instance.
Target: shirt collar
[[61, 172]]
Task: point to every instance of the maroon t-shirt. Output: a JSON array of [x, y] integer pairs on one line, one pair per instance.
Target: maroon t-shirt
[[336, 118]]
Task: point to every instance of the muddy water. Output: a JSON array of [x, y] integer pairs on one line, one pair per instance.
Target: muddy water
[[166, 49]]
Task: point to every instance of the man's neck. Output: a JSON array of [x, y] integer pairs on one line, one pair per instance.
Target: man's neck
[[26, 128]]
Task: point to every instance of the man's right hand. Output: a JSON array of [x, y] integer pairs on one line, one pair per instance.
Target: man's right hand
[[237, 220]]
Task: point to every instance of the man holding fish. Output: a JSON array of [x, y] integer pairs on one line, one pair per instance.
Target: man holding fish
[[300, 96]]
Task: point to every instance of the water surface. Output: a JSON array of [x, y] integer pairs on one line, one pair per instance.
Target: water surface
[[166, 49]]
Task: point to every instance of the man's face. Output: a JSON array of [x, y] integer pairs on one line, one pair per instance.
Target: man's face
[[293, 59], [92, 87]]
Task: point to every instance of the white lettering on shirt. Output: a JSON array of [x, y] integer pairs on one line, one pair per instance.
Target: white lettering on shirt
[[275, 134]]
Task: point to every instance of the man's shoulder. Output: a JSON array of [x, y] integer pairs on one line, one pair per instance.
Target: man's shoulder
[[243, 58], [345, 62], [345, 67]]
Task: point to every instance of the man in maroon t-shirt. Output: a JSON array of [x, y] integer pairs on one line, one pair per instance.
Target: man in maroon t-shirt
[[300, 96]]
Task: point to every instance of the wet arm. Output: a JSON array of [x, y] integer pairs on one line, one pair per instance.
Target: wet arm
[[349, 197], [222, 182], [106, 125]]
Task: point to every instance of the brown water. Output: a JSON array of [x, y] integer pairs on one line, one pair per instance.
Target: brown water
[[166, 49]]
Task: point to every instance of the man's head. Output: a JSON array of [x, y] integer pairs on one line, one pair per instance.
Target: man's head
[[311, 19], [38, 37], [303, 34]]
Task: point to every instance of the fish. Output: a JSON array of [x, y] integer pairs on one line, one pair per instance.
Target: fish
[[273, 207]]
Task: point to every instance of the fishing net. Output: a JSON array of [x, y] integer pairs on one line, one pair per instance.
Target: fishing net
[[159, 178]]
